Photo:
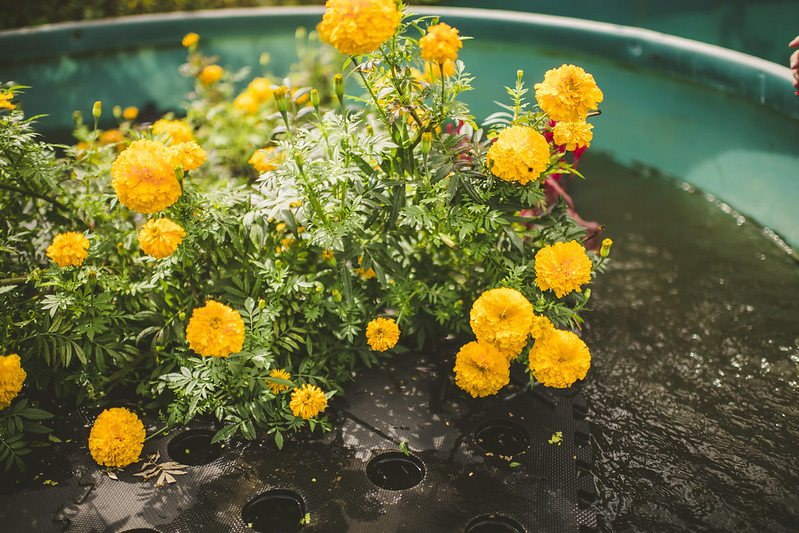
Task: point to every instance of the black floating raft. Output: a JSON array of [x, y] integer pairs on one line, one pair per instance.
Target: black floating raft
[[409, 452]]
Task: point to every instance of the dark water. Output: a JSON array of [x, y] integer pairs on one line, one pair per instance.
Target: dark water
[[694, 333]]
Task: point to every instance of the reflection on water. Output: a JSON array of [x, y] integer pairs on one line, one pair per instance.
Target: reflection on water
[[694, 333]]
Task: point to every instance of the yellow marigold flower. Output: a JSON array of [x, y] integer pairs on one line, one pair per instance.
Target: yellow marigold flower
[[481, 369], [247, 102], [68, 249], [277, 387], [562, 267], [215, 330], [189, 155], [559, 358], [4, 100], [113, 137], [520, 154], [358, 27], [266, 159], [303, 98], [144, 177], [541, 326], [573, 135], [307, 401], [502, 318], [190, 39], [210, 74], [365, 274], [567, 93], [382, 334], [116, 438], [261, 89], [11, 377], [440, 43], [435, 69], [81, 150], [130, 113], [160, 237], [327, 255], [176, 131]]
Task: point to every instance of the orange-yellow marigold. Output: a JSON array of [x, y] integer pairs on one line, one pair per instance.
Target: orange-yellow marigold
[[563, 267], [261, 89], [130, 113], [160, 237], [190, 39], [573, 135], [144, 177], [307, 401], [559, 358], [520, 154], [215, 330], [210, 74], [5, 100], [480, 369], [189, 155], [68, 249], [541, 326], [12, 376], [266, 159], [567, 93], [440, 43], [502, 317], [175, 131], [382, 334], [358, 27], [116, 438], [280, 374]]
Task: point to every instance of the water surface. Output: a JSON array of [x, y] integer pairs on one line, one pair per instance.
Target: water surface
[[694, 333]]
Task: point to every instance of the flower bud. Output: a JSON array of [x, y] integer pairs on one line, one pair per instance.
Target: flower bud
[[97, 109], [338, 83], [120, 248], [315, 99], [519, 75], [280, 98], [264, 59], [605, 250], [278, 263], [182, 316], [117, 112], [261, 303], [427, 142], [336, 295]]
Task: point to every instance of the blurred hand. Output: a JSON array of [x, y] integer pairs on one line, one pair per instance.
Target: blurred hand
[[794, 62]]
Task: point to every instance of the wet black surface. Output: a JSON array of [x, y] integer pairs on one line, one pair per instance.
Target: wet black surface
[[410, 404]]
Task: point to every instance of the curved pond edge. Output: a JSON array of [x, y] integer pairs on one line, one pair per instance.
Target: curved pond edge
[[721, 120]]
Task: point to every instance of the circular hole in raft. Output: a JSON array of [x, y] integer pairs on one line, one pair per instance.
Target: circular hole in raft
[[193, 447], [274, 511], [502, 437], [395, 471], [494, 524]]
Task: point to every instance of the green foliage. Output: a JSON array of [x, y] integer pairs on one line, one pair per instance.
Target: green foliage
[[21, 430]]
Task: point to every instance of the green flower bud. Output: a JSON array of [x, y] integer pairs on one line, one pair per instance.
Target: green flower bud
[[97, 108], [315, 99], [338, 82], [117, 112], [261, 303], [605, 250], [426, 143], [280, 98]]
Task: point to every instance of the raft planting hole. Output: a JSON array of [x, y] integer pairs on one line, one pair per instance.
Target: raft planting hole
[[274, 511], [395, 471], [502, 437], [193, 447]]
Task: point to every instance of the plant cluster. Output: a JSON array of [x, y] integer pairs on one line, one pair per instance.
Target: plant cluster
[[244, 262]]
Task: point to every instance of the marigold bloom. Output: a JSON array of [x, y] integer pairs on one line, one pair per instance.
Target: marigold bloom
[[247, 102], [573, 135], [502, 318], [382, 334], [327, 255], [144, 177], [266, 159], [4, 100], [541, 326], [559, 358], [358, 27], [160, 237], [189, 155], [190, 39], [480, 369], [307, 401], [11, 377], [261, 89], [440, 43], [176, 131], [130, 113], [365, 274], [278, 373], [116, 438], [215, 330], [113, 137], [210, 74], [68, 249], [520, 154], [562, 267], [567, 93]]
